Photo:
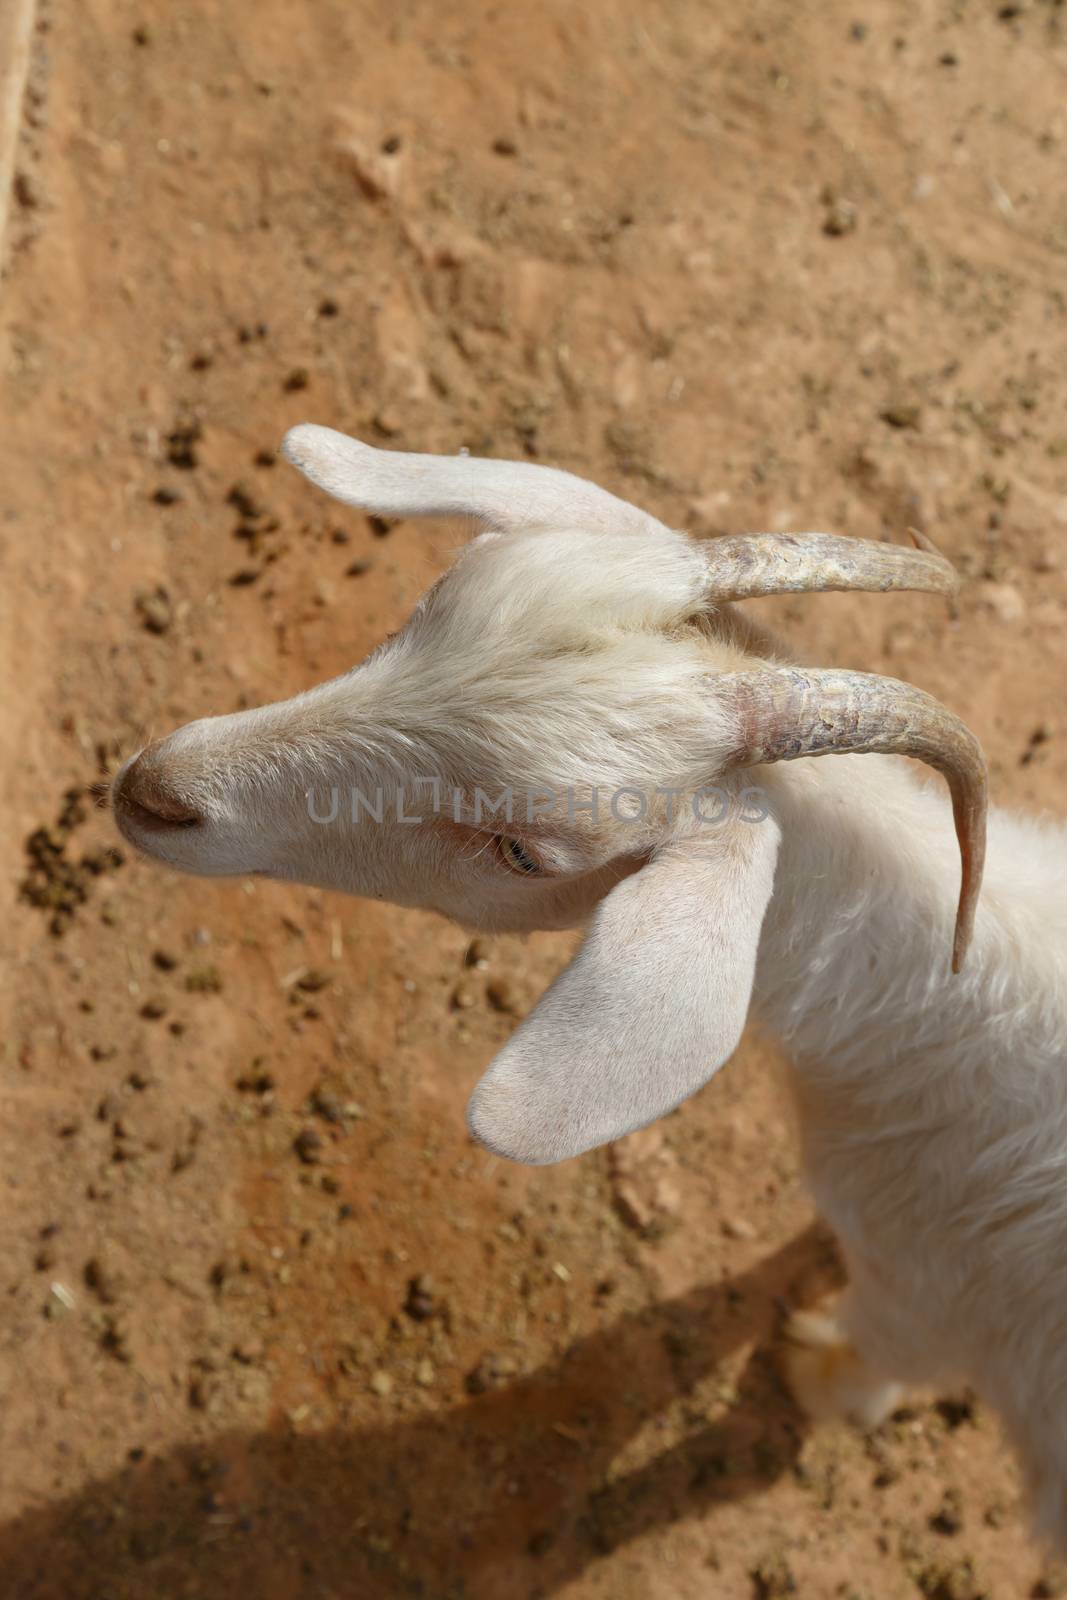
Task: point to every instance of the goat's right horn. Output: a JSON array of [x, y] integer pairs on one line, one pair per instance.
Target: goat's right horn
[[789, 712], [745, 565]]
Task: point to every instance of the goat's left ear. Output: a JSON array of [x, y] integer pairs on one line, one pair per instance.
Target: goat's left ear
[[650, 1008]]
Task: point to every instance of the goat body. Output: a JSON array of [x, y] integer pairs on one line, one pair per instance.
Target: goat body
[[578, 649], [932, 1107]]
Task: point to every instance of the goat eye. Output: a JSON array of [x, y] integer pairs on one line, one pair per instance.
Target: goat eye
[[515, 857]]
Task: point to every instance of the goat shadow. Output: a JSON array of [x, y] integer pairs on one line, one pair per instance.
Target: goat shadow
[[507, 1496]]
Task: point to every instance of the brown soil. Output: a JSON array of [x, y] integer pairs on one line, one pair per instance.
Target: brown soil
[[777, 265]]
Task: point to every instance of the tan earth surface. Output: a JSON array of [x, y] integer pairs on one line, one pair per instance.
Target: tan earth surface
[[270, 1325]]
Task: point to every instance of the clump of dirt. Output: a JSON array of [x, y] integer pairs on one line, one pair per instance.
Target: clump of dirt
[[55, 882], [183, 442], [950, 1580], [155, 608]]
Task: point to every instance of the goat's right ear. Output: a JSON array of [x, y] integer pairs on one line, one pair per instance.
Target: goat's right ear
[[501, 494], [650, 1008]]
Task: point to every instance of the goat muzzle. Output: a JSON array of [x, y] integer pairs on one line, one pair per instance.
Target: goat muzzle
[[145, 799]]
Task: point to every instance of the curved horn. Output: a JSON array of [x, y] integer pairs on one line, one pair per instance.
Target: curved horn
[[504, 494], [750, 564], [788, 712]]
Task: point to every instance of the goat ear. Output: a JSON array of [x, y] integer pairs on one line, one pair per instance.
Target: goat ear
[[649, 1009], [502, 494]]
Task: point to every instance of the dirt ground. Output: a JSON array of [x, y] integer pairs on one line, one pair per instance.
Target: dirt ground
[[269, 1323]]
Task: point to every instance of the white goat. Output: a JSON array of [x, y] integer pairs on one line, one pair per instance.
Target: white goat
[[581, 658]]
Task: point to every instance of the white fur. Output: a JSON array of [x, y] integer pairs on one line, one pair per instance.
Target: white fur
[[573, 646]]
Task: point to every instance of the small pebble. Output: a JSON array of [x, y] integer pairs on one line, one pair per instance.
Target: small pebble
[[503, 996], [155, 608], [902, 414], [102, 1280], [308, 1145], [257, 1080], [421, 1303], [464, 996], [491, 1371], [115, 1338], [948, 1518], [841, 218], [243, 499], [28, 191], [203, 980], [324, 1103], [1005, 602], [772, 1578]]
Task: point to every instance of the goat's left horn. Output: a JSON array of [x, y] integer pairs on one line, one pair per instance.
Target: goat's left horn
[[789, 712], [745, 565]]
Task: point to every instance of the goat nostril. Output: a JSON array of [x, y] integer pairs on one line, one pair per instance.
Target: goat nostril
[[169, 815], [147, 799]]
